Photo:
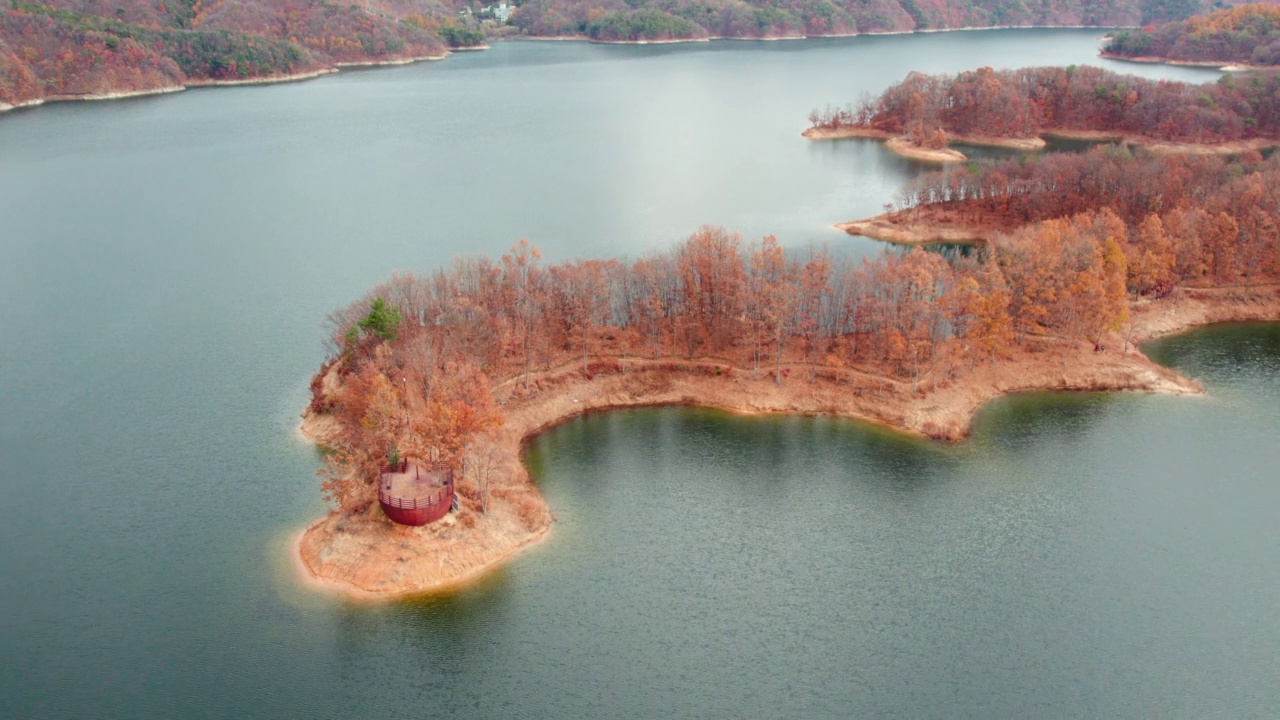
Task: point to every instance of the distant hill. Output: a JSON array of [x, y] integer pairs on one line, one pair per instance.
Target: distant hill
[[638, 20], [74, 48], [78, 48], [1248, 34]]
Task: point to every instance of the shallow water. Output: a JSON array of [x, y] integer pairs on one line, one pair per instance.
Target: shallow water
[[165, 266]]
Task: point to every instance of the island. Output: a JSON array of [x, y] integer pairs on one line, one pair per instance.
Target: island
[[922, 115], [1082, 258]]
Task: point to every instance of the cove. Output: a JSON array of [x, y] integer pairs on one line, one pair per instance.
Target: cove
[[1062, 560]]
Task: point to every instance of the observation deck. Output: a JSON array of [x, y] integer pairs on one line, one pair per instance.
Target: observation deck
[[416, 493]]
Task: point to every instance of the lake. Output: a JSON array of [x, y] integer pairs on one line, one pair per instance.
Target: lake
[[166, 265]]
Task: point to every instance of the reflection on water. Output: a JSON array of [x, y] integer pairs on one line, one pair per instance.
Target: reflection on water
[[1223, 350], [1061, 144], [1023, 420], [760, 452], [954, 252], [1044, 564]]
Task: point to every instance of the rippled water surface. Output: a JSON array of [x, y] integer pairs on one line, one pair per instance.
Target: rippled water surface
[[165, 265]]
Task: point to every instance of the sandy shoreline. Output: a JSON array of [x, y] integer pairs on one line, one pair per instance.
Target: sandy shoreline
[[121, 95], [263, 80], [374, 560], [210, 83], [906, 148], [1220, 65], [353, 591], [398, 61], [1231, 147], [842, 132], [1011, 143], [890, 228], [190, 84], [819, 36], [669, 41]]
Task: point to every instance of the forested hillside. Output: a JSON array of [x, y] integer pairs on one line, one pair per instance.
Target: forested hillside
[[55, 48], [1246, 34], [633, 20], [76, 48]]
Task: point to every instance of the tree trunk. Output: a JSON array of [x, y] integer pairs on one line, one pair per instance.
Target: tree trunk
[[777, 367]]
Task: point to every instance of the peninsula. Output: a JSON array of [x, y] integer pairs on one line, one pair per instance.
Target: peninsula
[[1082, 257], [922, 115], [909, 340]]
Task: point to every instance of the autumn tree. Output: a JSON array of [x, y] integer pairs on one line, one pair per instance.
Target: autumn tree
[[814, 307], [653, 283], [457, 408], [480, 461], [1221, 234], [981, 318], [583, 289], [373, 418], [711, 271], [992, 326], [765, 297], [522, 278], [918, 284], [1150, 257]]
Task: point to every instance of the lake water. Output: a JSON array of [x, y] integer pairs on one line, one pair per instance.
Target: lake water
[[165, 266]]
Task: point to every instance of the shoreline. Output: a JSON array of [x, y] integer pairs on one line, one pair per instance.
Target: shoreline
[[264, 80], [214, 83], [889, 228], [904, 147], [168, 89], [91, 97], [398, 61], [820, 36], [908, 149], [1219, 65], [669, 41], [352, 592], [1167, 147], [337, 66], [375, 561]]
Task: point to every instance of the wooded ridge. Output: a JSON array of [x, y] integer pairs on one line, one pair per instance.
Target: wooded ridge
[[52, 49]]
